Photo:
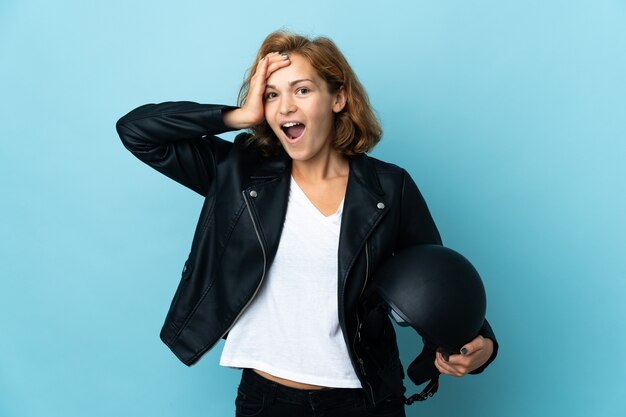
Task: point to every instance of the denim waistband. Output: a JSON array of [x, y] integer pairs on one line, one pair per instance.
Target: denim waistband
[[313, 397]]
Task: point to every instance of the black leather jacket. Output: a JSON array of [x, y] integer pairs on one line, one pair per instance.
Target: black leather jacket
[[240, 224]]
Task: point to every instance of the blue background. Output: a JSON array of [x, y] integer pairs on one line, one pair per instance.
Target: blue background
[[510, 115]]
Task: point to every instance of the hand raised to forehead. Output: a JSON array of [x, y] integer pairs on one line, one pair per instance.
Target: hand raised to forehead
[[252, 112]]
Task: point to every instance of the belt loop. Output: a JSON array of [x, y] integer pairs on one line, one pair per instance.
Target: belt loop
[[313, 400]]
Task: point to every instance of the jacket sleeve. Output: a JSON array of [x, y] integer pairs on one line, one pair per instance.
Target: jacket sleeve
[[419, 227], [177, 139], [416, 223], [487, 332]]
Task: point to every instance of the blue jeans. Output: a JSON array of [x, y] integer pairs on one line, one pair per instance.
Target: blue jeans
[[260, 397]]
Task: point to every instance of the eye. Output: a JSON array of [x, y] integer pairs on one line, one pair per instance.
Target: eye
[[302, 90], [270, 95]]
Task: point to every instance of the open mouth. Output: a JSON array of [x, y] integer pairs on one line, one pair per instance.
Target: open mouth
[[293, 130]]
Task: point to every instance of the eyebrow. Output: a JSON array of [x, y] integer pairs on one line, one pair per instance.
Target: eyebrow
[[292, 83]]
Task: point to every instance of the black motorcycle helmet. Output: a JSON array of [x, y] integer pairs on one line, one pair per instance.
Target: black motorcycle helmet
[[441, 295]]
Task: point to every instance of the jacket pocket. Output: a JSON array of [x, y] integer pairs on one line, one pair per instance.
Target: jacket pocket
[[174, 315]]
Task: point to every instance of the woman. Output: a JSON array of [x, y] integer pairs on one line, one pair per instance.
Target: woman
[[296, 218]]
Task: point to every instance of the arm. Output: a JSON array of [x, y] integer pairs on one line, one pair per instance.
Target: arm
[[419, 228], [176, 139], [416, 223], [490, 338]]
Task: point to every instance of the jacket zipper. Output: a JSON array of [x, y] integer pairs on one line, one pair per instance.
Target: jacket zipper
[[359, 324], [256, 230]]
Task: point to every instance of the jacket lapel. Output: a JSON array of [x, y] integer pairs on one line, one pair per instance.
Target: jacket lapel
[[364, 207], [266, 189]]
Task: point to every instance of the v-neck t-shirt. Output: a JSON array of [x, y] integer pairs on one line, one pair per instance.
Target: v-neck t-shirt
[[291, 329]]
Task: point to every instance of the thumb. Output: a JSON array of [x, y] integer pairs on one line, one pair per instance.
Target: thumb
[[472, 346]]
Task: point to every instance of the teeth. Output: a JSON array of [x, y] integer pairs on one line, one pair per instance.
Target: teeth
[[290, 124]]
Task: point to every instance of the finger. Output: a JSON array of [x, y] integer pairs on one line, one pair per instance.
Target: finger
[[459, 360], [265, 67], [475, 345], [268, 64], [261, 66], [269, 56], [445, 367], [441, 366], [459, 364], [261, 71], [275, 63]]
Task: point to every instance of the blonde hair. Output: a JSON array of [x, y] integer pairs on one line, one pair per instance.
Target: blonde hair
[[357, 130]]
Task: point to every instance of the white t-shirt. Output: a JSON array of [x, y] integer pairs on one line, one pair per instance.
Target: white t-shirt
[[291, 329]]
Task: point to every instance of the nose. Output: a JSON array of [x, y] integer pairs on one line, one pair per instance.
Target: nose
[[287, 105]]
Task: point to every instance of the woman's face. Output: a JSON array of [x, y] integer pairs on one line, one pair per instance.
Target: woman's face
[[301, 111]]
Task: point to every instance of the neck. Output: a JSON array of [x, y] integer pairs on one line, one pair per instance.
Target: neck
[[329, 166]]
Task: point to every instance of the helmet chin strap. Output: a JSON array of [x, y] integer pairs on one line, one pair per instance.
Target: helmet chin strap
[[426, 393], [423, 369]]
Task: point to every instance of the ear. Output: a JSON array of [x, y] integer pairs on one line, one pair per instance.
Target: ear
[[340, 100]]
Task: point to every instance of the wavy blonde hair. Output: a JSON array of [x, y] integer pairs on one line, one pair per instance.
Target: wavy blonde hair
[[357, 130]]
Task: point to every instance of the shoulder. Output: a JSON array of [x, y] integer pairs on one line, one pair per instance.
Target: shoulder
[[246, 144], [242, 147], [386, 171], [383, 167], [416, 223], [246, 160], [242, 140], [394, 179]]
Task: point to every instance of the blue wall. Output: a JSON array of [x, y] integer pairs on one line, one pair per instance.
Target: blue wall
[[510, 115]]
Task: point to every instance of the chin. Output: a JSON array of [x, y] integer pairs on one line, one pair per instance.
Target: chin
[[297, 156]]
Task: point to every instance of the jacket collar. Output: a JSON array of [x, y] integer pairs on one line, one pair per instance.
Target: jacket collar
[[361, 168], [364, 206], [270, 168], [364, 199], [365, 173]]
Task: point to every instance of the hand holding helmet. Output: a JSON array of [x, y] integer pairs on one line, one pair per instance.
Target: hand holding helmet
[[473, 355], [439, 293]]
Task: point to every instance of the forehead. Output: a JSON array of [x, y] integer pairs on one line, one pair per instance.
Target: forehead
[[300, 68]]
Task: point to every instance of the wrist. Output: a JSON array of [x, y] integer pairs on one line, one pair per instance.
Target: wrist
[[237, 119], [232, 118]]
